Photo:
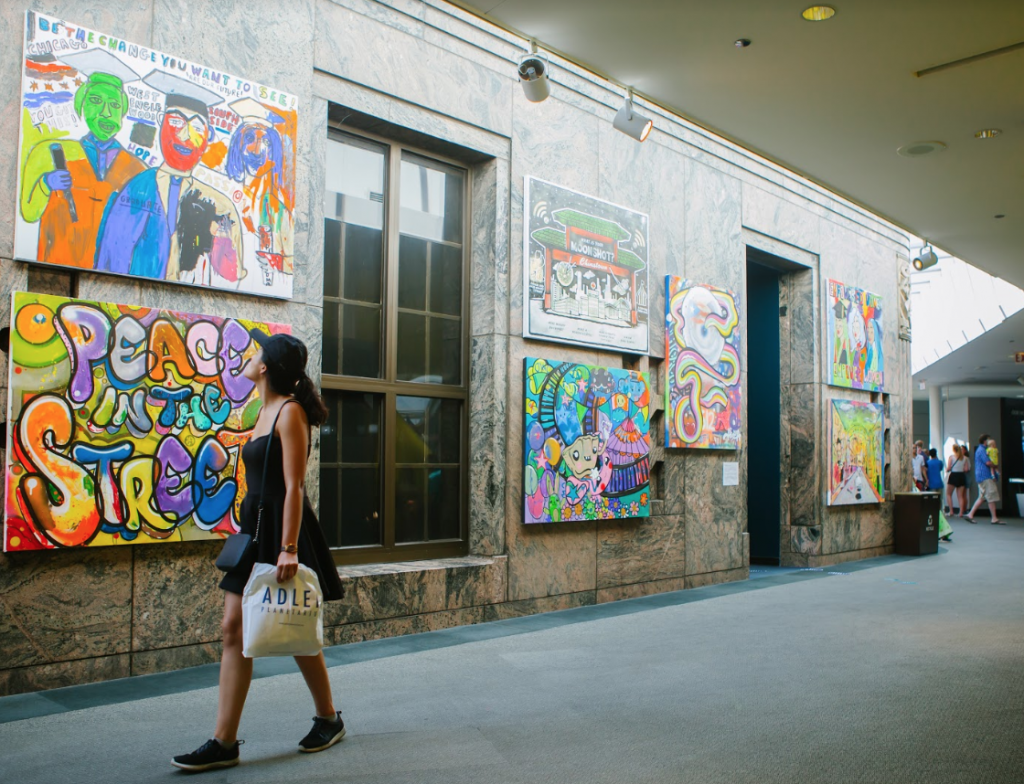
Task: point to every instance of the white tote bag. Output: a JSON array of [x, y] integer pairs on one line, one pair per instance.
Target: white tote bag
[[282, 619]]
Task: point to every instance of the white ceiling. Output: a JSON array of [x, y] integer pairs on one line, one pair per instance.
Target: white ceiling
[[831, 100], [985, 367]]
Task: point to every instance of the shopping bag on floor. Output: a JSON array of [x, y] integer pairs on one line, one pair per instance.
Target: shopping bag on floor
[[282, 619], [945, 529]]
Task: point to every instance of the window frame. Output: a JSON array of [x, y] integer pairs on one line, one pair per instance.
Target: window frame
[[388, 386]]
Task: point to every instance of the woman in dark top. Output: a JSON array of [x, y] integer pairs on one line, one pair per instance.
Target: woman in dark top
[[289, 535]]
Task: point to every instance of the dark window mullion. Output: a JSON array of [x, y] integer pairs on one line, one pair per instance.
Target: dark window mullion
[[389, 448]]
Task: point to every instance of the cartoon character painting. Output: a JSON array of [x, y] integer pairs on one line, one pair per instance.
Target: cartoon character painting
[[855, 338], [587, 443], [135, 162]]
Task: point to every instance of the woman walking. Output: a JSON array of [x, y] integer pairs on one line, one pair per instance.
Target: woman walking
[[956, 481], [290, 535]]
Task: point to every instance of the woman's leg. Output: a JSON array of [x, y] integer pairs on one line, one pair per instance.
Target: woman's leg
[[235, 672], [962, 494], [949, 499], [314, 670]]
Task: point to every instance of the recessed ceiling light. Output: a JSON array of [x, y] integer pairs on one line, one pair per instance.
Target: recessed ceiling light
[[917, 149], [987, 133], [741, 43], [1000, 216], [818, 13]]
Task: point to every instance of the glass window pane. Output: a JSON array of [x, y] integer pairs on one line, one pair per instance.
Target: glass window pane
[[410, 504], [330, 503], [332, 257], [329, 430], [410, 427], [364, 253], [360, 347], [412, 348], [412, 273], [355, 184], [332, 338], [360, 427], [429, 430], [431, 202], [446, 442], [446, 280], [444, 500], [445, 351], [360, 511]]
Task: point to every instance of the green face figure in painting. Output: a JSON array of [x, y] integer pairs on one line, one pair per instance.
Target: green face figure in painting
[[102, 103]]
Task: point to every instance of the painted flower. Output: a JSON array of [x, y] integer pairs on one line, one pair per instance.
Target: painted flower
[[634, 508], [643, 499]]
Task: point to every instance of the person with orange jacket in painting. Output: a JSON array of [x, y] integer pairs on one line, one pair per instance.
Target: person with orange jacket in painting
[[66, 183]]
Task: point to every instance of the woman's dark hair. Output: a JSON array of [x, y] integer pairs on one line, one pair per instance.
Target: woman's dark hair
[[304, 391]]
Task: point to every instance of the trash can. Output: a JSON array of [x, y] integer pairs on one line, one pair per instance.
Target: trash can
[[1017, 486], [917, 523]]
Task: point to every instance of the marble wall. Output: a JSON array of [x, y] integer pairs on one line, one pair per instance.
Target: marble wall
[[429, 67]]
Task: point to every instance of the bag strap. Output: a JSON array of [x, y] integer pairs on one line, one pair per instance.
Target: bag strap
[[266, 462]]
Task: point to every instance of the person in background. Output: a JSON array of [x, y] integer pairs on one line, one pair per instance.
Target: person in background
[[933, 471], [988, 488], [993, 457], [956, 481], [918, 465]]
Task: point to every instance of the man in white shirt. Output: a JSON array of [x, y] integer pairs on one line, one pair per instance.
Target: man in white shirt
[[918, 464]]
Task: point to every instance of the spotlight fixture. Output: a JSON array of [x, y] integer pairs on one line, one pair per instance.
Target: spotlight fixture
[[533, 76], [818, 13], [631, 122], [1020, 380], [926, 258], [741, 43], [987, 133]]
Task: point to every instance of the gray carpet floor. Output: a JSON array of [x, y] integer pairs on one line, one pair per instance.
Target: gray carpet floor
[[893, 671]]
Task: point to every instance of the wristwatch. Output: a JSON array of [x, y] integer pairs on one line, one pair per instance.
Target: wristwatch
[[289, 548]]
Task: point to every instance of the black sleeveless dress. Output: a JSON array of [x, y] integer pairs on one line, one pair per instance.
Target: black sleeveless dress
[[314, 551]]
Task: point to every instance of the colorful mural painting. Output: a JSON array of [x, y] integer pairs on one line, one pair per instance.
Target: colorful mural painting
[[587, 442], [856, 453], [136, 162], [585, 270], [854, 338], [125, 424], [703, 394]]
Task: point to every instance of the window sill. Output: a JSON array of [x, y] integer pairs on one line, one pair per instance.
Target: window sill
[[463, 562]]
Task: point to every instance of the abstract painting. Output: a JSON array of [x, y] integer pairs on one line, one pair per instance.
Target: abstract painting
[[587, 443], [703, 395], [136, 162], [125, 424], [856, 453], [584, 271], [855, 338]]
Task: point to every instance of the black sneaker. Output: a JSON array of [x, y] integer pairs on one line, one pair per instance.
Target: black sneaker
[[209, 756], [325, 733]]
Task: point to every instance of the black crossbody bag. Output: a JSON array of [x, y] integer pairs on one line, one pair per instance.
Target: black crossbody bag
[[237, 547]]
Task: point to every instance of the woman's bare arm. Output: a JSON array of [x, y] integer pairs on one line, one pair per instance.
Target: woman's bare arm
[[293, 429]]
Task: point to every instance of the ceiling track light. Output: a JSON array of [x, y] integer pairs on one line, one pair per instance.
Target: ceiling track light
[[631, 122], [533, 75], [926, 258]]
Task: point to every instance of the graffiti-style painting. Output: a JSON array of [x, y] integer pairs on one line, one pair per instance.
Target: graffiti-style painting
[[856, 453], [585, 275], [587, 443], [703, 397], [136, 162], [125, 425], [854, 338]]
